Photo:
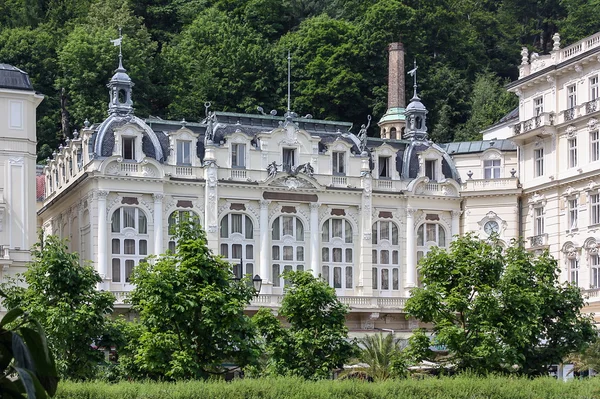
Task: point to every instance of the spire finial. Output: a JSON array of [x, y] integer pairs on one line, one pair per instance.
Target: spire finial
[[413, 73], [117, 42], [289, 82]]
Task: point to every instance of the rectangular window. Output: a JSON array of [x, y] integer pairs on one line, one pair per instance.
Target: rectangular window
[[573, 213], [289, 158], [116, 270], [571, 96], [594, 146], [384, 168], [595, 266], [538, 156], [538, 106], [339, 163], [348, 277], [491, 169], [129, 264], [128, 148], [238, 155], [595, 209], [184, 152], [572, 144], [16, 114], [430, 166], [538, 221], [574, 271], [594, 94]]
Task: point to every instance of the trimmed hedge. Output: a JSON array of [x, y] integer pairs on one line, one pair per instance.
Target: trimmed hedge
[[461, 387]]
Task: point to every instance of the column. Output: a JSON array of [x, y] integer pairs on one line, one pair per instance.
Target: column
[[158, 223], [455, 224], [265, 270], [411, 264], [102, 234], [314, 238]]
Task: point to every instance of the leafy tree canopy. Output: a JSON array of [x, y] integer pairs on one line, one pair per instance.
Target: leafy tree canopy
[[499, 311], [316, 341]]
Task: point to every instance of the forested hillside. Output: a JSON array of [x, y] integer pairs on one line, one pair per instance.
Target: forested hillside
[[232, 53]]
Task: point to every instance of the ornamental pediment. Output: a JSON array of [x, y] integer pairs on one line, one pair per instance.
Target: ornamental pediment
[[293, 183]]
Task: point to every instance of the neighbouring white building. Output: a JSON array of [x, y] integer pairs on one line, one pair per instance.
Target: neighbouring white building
[[278, 193]]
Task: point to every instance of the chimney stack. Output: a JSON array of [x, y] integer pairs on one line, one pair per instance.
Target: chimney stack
[[392, 124]]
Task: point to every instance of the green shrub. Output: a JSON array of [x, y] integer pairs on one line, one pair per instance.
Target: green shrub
[[461, 387]]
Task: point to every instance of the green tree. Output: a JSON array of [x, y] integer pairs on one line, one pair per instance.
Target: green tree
[[26, 363], [191, 312], [499, 311], [382, 354], [61, 294], [316, 341]]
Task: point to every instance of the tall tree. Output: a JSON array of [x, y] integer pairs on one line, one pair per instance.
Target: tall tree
[[191, 312], [495, 311], [61, 294], [316, 341]]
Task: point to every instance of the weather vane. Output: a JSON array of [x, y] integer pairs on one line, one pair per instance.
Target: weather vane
[[413, 73], [117, 42], [289, 83]]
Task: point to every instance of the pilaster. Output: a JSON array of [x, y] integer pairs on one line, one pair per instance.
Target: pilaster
[[411, 249], [264, 265], [158, 223], [314, 239]]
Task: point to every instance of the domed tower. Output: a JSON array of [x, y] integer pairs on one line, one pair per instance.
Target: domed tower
[[416, 114], [392, 123], [120, 86]]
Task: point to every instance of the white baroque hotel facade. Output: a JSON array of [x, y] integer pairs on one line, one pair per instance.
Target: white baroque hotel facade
[[277, 193]]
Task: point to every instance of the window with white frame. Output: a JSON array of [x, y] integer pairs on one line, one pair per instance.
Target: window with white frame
[[594, 146], [595, 271], [128, 148], [386, 256], [594, 208], [538, 220], [572, 145], [384, 167], [594, 94], [337, 253], [289, 158], [571, 96], [430, 169], [184, 152], [573, 213], [287, 249], [237, 243], [429, 235], [574, 271], [175, 218], [538, 158], [491, 169], [339, 163], [238, 155], [129, 241], [538, 105]]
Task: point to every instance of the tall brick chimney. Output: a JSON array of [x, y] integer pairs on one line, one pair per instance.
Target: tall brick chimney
[[393, 122]]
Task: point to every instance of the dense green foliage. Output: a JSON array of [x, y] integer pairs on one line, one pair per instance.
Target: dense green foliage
[[181, 54], [380, 357], [61, 294], [316, 341], [499, 311], [191, 313], [288, 388], [27, 366]]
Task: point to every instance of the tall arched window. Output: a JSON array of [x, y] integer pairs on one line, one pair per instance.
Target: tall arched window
[[237, 243], [429, 235], [337, 253], [174, 218], [129, 241], [287, 251], [386, 256]]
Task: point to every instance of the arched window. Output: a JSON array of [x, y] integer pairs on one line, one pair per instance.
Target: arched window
[[237, 243], [287, 251], [393, 133], [174, 218], [429, 235], [337, 253], [129, 241], [386, 256]]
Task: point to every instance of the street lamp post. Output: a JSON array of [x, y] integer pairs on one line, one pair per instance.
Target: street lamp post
[[256, 280]]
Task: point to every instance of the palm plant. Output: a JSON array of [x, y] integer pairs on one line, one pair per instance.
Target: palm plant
[[589, 359], [377, 355]]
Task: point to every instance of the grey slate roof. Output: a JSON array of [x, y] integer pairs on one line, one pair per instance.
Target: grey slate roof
[[471, 147], [14, 78]]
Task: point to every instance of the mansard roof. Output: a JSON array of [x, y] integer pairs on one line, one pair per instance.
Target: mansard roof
[[13, 78], [470, 147]]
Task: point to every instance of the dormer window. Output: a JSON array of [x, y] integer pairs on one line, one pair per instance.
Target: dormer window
[[289, 159], [339, 163], [491, 169], [384, 168], [128, 150], [430, 169], [238, 155], [184, 152]]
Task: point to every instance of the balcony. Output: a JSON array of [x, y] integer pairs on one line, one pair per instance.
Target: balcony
[[184, 171], [238, 174], [538, 241], [339, 181], [385, 185], [128, 167], [568, 114], [592, 106], [479, 185], [534, 126]]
